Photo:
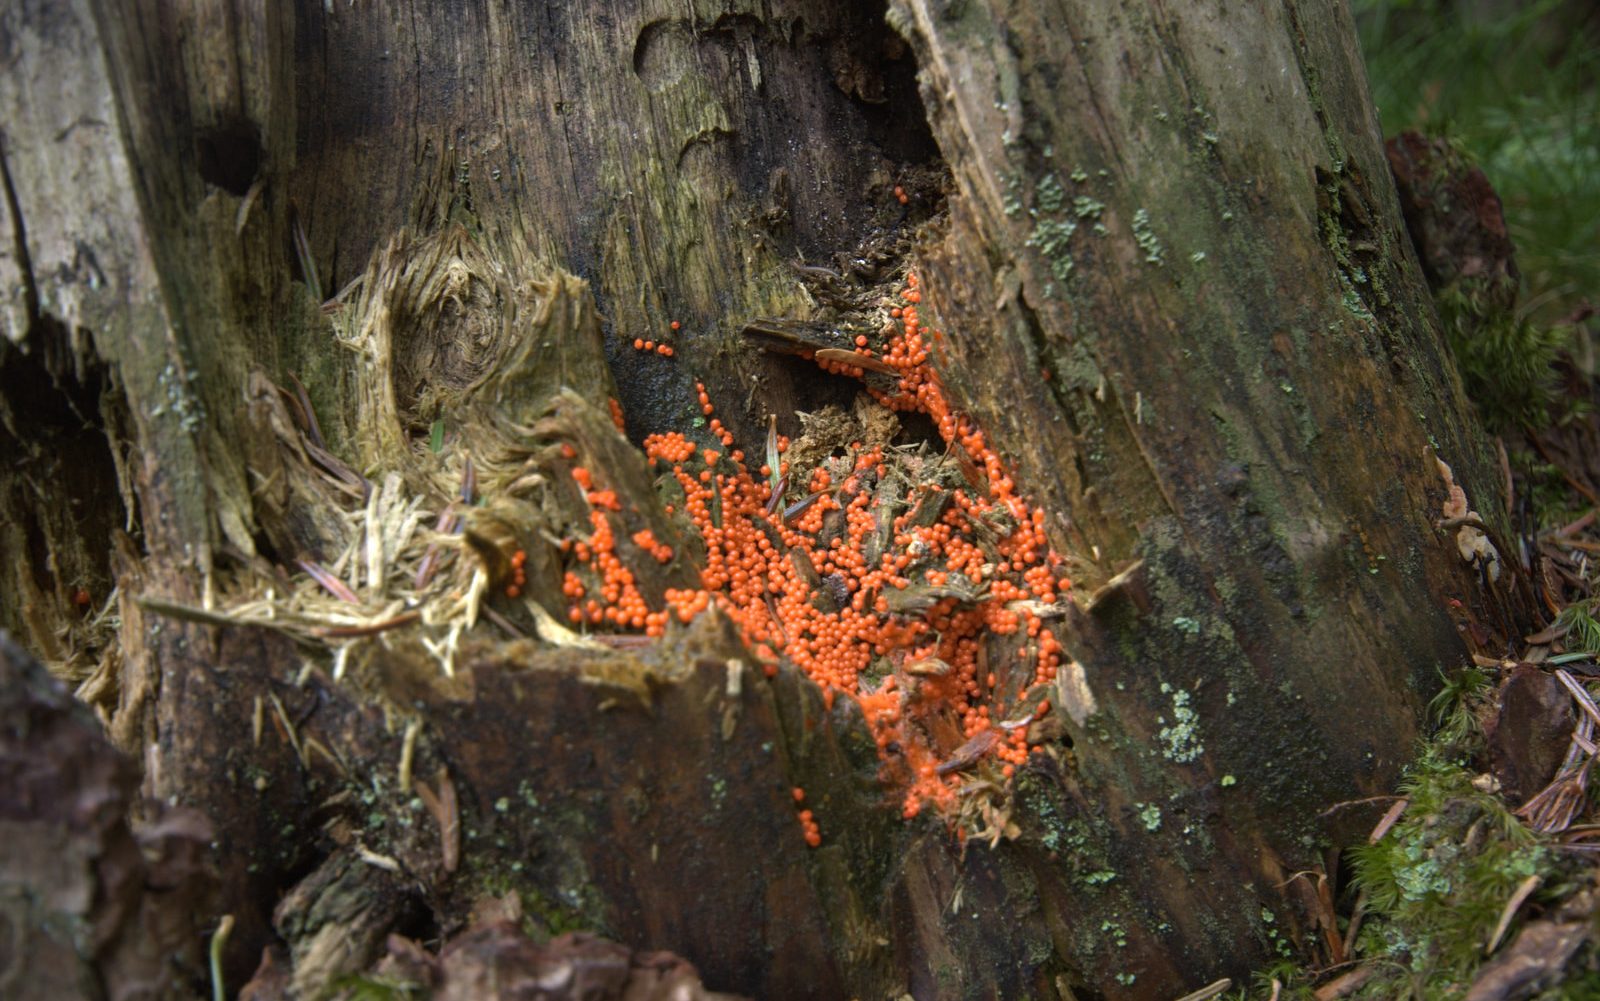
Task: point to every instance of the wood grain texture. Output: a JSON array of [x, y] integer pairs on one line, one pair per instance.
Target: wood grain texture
[[1199, 331]]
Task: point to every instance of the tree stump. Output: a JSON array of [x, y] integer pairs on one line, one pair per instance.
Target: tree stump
[[315, 312]]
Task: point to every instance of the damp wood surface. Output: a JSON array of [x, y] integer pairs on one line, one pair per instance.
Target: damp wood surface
[[271, 271]]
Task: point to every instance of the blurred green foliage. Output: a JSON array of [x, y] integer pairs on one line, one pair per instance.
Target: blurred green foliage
[[1514, 85]]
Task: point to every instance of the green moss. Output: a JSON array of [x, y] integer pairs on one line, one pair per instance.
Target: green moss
[[1505, 361], [546, 918], [1438, 881]]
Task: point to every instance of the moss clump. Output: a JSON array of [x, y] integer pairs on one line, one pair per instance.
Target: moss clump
[[1505, 360], [1436, 884], [1441, 877]]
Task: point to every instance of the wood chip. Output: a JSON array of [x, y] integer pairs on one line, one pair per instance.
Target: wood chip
[[856, 358]]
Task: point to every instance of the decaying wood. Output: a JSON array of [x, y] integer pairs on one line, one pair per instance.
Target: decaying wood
[[89, 907], [1270, 461], [317, 308]]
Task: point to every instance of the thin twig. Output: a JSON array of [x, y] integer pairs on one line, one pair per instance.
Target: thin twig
[[367, 628]]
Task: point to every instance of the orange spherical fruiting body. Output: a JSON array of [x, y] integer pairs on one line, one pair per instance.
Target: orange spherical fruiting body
[[842, 619]]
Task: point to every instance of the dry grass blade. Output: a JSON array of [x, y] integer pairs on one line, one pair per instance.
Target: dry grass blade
[[857, 359], [287, 727], [366, 629], [1548, 635], [1357, 912], [1580, 695], [1210, 990], [408, 751], [372, 858], [1553, 808], [313, 744], [330, 583], [232, 618], [1389, 819], [303, 400], [1523, 891], [1347, 984], [469, 482], [1583, 838], [450, 829], [1328, 918], [1583, 522], [506, 625], [340, 474], [302, 253], [447, 524]]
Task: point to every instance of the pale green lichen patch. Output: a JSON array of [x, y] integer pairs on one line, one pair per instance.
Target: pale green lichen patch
[[1180, 739], [1117, 934], [1085, 207], [1048, 196], [1150, 816], [1052, 236], [1146, 237], [180, 399]]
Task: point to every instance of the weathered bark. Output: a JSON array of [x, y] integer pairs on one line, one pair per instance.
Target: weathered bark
[[1198, 328], [89, 907], [1174, 290]]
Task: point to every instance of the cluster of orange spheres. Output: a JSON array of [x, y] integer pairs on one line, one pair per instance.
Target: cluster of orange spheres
[[519, 576], [808, 820], [661, 348], [821, 582]]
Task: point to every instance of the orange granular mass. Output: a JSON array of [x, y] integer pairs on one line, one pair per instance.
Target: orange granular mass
[[798, 580]]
